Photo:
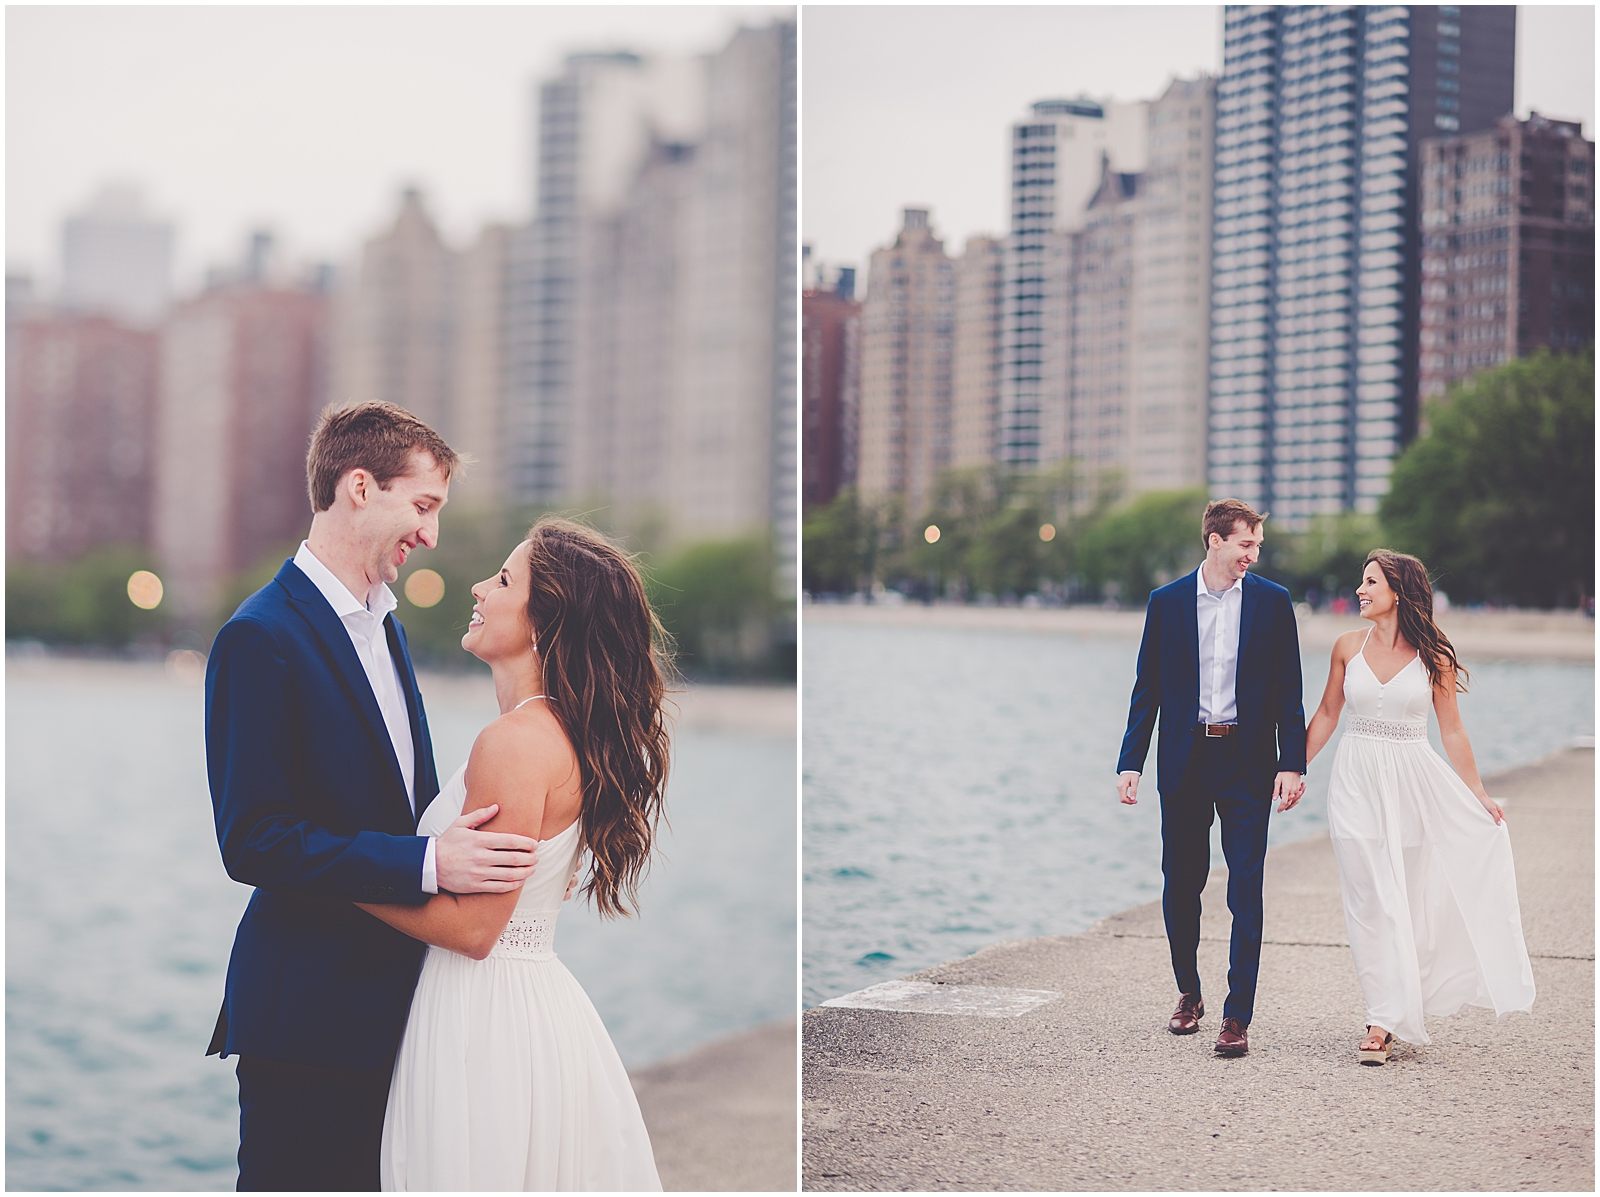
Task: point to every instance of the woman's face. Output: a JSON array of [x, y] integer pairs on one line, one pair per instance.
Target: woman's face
[[1376, 596], [500, 627]]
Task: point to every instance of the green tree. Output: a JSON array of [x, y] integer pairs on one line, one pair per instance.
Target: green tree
[[1326, 557], [1143, 544], [718, 602], [83, 602], [838, 546], [1497, 496]]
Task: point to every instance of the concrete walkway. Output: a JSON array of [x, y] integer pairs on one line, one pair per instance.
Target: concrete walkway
[[721, 1118], [1090, 1092]]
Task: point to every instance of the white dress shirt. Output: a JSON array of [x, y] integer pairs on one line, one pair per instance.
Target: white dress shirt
[[1219, 649], [364, 622]]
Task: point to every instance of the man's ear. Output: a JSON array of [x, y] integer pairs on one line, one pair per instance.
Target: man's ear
[[358, 484]]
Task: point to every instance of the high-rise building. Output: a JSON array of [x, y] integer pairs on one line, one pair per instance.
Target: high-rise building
[[1321, 112], [596, 122], [733, 453], [395, 338], [1056, 155], [830, 367], [1171, 306], [116, 258], [980, 320], [651, 314], [1507, 247], [243, 376], [80, 418], [477, 376], [907, 355], [638, 374], [1097, 341]]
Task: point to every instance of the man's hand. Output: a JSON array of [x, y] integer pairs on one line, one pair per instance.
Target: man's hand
[[482, 862], [1128, 788], [577, 871], [1288, 789]]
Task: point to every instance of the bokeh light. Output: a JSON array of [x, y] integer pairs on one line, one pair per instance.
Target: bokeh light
[[187, 666], [1047, 532], [931, 533], [424, 588], [144, 590]]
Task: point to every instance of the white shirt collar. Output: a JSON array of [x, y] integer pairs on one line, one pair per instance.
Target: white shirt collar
[[1200, 583], [380, 599]]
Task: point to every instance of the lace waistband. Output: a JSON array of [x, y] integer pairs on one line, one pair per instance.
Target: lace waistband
[[527, 937], [1404, 730]]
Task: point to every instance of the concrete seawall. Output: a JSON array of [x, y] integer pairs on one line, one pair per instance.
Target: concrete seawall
[[722, 1117], [1090, 1092]]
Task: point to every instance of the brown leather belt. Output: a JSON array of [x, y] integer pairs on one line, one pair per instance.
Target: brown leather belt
[[1214, 731]]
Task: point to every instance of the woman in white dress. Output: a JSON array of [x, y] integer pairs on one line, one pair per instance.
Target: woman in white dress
[[1430, 895], [506, 1079]]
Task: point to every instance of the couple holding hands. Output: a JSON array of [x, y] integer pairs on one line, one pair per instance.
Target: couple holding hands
[[1424, 856]]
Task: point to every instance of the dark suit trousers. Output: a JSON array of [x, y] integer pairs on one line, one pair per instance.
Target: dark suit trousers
[[1216, 781], [308, 1130]]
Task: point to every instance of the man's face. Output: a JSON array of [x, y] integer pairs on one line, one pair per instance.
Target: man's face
[[393, 522], [1238, 553]]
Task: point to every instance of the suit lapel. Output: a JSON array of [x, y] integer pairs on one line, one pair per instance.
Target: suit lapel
[[1247, 612], [1191, 625], [424, 784], [335, 637]]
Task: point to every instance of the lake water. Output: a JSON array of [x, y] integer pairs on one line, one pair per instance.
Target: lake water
[[120, 919], [958, 787]]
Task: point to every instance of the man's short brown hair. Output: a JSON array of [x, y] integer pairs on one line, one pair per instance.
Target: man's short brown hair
[[1221, 516], [377, 437]]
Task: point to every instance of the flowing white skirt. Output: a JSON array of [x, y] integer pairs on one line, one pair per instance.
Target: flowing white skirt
[[506, 1081], [1430, 894]]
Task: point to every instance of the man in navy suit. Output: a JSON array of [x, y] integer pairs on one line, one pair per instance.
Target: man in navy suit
[[1220, 665], [319, 760]]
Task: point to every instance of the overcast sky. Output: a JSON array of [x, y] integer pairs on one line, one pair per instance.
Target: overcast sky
[[306, 120], [911, 106]]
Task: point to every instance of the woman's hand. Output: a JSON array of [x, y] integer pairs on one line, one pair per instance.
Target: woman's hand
[[1493, 807]]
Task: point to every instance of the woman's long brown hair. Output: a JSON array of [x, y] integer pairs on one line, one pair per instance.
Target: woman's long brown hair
[[605, 660], [1414, 594]]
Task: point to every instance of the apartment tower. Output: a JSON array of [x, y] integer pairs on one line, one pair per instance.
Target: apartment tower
[[1507, 247], [1056, 153], [1171, 310], [907, 351], [1316, 256]]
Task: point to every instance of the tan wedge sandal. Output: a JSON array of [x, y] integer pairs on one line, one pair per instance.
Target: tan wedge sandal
[[1381, 1055]]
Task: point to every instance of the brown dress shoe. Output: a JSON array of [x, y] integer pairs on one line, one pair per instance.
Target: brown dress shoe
[[1234, 1040], [1186, 1018]]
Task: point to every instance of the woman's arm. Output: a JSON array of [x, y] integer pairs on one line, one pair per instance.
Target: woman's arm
[[505, 768], [1325, 720], [1456, 745]]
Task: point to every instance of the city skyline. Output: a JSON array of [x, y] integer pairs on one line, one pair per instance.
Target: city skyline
[[119, 86], [949, 149]]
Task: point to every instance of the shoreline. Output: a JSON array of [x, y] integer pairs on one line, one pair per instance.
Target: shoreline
[[762, 709], [1514, 635], [721, 1116], [1087, 1091]]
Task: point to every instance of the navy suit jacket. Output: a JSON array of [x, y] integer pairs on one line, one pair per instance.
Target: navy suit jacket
[[311, 809], [1272, 720]]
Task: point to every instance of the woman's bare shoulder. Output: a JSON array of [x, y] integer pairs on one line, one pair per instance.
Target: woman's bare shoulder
[[1348, 644], [529, 742]]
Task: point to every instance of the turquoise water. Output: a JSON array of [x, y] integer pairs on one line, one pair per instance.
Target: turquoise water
[[120, 919], [958, 787]]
